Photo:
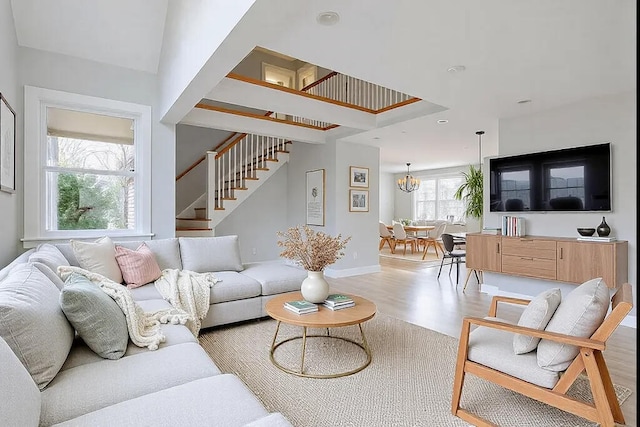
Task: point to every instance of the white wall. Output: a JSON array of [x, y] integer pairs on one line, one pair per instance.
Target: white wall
[[257, 220], [11, 204], [65, 73], [361, 253], [605, 119], [194, 31], [387, 197]]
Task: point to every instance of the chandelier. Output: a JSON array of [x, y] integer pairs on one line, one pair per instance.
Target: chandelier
[[408, 183]]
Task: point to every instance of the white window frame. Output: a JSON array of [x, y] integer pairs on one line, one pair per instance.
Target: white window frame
[[37, 100], [436, 178]]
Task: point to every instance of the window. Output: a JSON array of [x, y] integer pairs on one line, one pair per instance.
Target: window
[[86, 158], [435, 200]]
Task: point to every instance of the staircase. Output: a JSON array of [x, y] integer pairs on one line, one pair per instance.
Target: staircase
[[233, 174]]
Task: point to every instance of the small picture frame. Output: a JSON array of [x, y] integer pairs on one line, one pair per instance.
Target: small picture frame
[[7, 146], [358, 177], [315, 197], [358, 200]]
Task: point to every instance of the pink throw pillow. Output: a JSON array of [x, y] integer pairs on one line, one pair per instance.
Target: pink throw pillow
[[138, 267]]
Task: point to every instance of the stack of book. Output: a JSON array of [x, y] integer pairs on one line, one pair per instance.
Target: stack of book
[[301, 306], [338, 302], [513, 226], [596, 239], [495, 231]]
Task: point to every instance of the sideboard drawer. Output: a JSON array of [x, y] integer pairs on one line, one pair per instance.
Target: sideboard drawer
[[529, 266], [534, 248]]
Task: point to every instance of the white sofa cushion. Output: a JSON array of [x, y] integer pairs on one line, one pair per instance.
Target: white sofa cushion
[[579, 314], [233, 286], [32, 323], [276, 277], [113, 381], [221, 400], [210, 254], [21, 398], [166, 251], [48, 255], [98, 257], [536, 315]]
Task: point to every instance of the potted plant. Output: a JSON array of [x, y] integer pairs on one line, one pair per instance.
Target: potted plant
[[313, 251], [471, 192]]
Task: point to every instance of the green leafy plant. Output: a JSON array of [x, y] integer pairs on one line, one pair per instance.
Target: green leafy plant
[[471, 192]]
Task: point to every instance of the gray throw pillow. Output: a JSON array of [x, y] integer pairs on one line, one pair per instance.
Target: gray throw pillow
[[210, 254], [579, 315], [96, 317], [48, 255], [536, 316], [32, 323]]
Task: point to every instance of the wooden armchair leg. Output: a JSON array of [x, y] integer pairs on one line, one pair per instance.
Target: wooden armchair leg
[[598, 389], [608, 388]]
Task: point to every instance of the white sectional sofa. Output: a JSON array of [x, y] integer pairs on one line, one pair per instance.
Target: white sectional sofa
[[51, 377]]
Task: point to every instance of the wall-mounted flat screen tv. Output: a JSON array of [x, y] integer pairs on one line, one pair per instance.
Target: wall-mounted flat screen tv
[[571, 179]]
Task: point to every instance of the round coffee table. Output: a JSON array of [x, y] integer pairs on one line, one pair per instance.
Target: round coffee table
[[323, 318]]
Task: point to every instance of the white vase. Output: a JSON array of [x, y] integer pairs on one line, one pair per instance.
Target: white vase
[[315, 288]]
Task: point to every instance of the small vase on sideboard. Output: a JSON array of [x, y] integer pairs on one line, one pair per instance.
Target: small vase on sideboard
[[315, 288], [603, 229]]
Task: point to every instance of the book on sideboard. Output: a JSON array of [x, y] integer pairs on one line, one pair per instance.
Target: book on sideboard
[[301, 306], [597, 239]]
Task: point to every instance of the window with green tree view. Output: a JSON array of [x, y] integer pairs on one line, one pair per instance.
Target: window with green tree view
[[90, 171]]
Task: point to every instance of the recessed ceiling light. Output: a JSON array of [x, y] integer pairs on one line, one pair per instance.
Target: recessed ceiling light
[[456, 69], [443, 121], [327, 18], [376, 137], [524, 101]]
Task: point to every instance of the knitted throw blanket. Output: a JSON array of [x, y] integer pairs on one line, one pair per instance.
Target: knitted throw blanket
[[144, 327], [187, 291]]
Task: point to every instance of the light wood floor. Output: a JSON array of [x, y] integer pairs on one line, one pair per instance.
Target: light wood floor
[[408, 291]]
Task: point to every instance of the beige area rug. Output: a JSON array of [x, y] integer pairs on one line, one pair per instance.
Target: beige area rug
[[408, 383], [431, 260]]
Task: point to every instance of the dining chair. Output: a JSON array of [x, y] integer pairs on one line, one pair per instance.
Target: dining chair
[[400, 236], [456, 255], [386, 237], [433, 239]]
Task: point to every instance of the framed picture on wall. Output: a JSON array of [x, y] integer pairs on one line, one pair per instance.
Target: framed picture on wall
[[7, 146], [315, 197], [358, 200], [359, 177]]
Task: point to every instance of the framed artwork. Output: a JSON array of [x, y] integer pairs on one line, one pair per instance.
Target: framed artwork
[[315, 197], [359, 177], [358, 200], [7, 146]]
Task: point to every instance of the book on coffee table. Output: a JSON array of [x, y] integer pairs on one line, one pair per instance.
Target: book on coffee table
[[339, 306], [301, 306], [334, 300]]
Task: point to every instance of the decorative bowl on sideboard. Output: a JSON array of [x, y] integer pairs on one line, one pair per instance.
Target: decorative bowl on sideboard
[[586, 231]]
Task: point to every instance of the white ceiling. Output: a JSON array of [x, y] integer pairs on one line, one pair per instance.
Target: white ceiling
[[554, 52]]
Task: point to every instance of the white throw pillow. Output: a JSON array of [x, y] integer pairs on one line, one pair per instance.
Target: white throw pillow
[[210, 254], [98, 257], [536, 315], [48, 255], [580, 313]]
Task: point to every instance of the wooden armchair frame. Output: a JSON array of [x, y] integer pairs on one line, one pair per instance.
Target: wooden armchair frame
[[605, 409]]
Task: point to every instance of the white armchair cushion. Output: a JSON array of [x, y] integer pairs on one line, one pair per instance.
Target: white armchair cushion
[[580, 313], [536, 315]]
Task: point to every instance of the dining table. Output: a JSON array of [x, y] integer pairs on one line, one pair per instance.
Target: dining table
[[415, 228]]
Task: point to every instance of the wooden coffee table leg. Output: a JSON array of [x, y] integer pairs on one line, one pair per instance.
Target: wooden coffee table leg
[[304, 346]]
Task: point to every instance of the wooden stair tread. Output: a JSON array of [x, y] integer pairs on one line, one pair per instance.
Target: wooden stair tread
[[193, 219], [192, 229]]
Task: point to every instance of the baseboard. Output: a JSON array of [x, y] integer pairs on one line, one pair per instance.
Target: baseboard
[[629, 321], [347, 272]]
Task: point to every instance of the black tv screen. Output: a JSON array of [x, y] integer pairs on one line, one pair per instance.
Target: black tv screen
[[572, 179]]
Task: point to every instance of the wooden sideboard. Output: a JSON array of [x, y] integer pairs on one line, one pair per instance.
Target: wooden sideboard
[[561, 259]]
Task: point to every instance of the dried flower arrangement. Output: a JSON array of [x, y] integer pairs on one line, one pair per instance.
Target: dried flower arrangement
[[312, 250]]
